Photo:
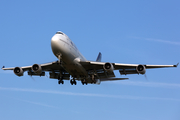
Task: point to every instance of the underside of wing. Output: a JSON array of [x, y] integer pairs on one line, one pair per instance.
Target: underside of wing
[[54, 68], [124, 69]]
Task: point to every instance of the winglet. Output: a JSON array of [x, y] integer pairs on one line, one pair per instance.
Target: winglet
[[176, 65], [99, 57]]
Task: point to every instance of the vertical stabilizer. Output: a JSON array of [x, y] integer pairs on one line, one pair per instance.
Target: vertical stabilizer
[[99, 57]]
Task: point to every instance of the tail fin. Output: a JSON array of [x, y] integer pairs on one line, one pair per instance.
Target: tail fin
[[99, 57]]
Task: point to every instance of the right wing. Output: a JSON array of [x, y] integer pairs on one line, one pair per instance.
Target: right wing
[[124, 69]]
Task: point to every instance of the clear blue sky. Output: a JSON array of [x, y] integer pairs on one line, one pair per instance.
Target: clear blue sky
[[126, 31]]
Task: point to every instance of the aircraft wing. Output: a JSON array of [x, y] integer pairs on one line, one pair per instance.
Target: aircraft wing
[[93, 68], [123, 68], [53, 68]]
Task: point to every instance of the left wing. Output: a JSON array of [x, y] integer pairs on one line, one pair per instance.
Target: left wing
[[124, 69], [121, 65]]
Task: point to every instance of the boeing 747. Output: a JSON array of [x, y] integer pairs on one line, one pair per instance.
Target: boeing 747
[[72, 64]]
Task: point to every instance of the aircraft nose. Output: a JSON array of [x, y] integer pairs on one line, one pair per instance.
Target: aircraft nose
[[55, 43], [54, 39]]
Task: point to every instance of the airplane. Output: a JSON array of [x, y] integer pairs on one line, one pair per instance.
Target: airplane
[[72, 64]]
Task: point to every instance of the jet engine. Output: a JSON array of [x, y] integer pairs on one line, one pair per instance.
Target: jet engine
[[141, 69], [18, 71], [108, 67], [36, 69]]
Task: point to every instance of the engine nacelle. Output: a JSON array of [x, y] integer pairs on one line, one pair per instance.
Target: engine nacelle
[[141, 69], [36, 68], [108, 67], [18, 71]]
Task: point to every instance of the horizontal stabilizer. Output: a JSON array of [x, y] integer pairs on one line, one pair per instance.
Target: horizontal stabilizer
[[176, 65], [113, 79]]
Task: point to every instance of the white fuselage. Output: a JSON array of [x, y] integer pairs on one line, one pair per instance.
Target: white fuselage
[[65, 50]]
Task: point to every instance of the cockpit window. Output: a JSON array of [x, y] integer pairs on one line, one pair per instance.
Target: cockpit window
[[59, 33]]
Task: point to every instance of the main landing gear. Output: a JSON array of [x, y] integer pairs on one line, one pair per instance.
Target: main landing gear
[[73, 81], [84, 82], [60, 80]]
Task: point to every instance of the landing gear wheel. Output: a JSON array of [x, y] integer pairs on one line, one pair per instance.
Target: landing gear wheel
[[84, 82], [59, 82], [71, 82]]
